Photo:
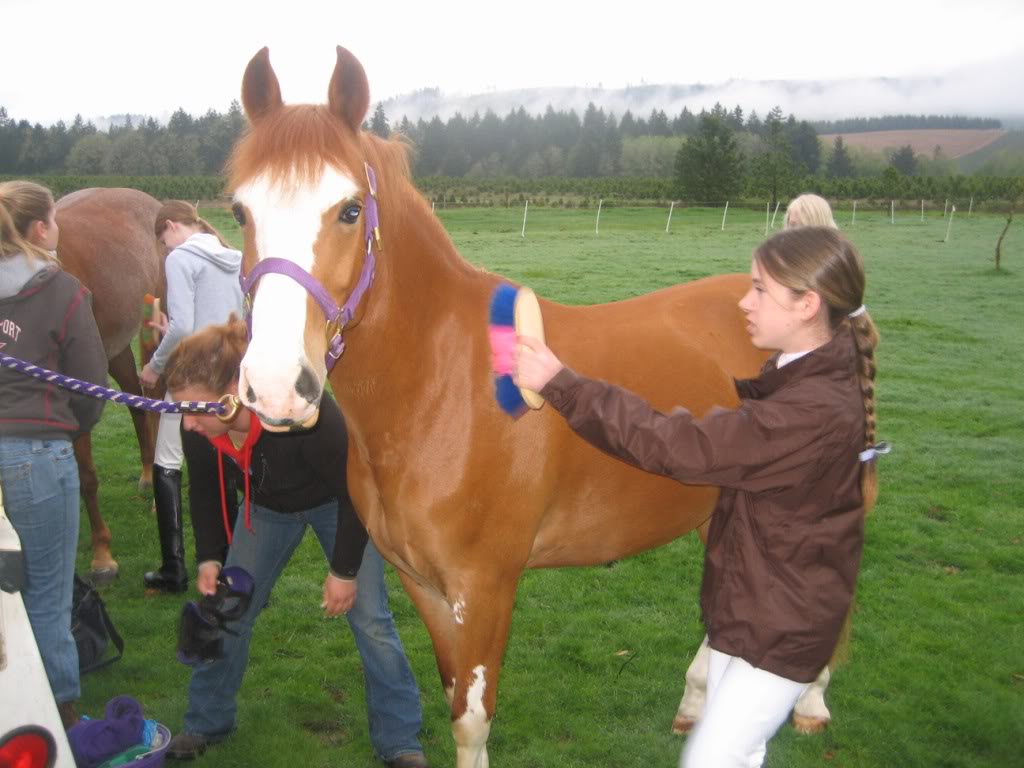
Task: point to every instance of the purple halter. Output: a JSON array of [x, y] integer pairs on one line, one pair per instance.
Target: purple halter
[[337, 317]]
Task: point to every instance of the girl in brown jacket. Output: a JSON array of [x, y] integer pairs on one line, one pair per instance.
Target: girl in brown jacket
[[796, 471]]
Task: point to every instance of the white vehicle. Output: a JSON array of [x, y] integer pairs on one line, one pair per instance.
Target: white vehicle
[[31, 734]]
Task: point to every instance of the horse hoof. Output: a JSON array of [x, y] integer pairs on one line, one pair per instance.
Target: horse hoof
[[682, 725], [808, 725], [103, 576]]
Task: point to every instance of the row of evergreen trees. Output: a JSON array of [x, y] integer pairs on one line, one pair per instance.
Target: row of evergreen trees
[[186, 146], [725, 149], [556, 143]]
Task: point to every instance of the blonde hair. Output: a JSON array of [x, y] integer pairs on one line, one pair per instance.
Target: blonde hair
[[812, 211], [182, 212], [22, 203], [209, 358], [823, 260]]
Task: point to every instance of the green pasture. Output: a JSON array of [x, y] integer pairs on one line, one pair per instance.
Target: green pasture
[[595, 664]]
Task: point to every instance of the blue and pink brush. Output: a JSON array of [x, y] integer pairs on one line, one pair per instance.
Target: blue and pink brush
[[514, 312]]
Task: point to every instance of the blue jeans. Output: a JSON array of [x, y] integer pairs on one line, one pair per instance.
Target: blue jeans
[[392, 698], [40, 486]]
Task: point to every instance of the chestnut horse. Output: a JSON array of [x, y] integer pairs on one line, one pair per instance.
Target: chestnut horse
[[107, 242], [457, 495]]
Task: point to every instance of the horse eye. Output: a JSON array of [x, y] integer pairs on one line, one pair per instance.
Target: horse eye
[[350, 214], [239, 213]]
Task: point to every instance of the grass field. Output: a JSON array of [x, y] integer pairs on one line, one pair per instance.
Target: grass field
[[595, 664]]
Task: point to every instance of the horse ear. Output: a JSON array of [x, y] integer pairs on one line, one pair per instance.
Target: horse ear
[[261, 93], [349, 92]]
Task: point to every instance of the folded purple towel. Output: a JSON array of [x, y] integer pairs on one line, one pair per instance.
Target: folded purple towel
[[96, 741]]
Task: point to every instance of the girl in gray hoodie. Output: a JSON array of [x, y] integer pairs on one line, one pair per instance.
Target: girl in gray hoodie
[[202, 289]]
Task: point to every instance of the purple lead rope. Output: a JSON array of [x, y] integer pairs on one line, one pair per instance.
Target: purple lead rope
[[104, 393]]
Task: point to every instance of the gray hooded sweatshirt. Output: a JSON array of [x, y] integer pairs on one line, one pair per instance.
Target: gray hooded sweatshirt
[[202, 289]]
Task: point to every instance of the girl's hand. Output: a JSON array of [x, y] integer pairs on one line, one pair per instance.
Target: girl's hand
[[339, 595], [536, 365], [161, 323], [206, 581], [149, 377]]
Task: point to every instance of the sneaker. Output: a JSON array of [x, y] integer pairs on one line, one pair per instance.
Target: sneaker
[[68, 714], [408, 760], [187, 746]]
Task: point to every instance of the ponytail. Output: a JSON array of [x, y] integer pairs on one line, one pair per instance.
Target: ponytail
[[22, 203], [865, 339], [182, 212]]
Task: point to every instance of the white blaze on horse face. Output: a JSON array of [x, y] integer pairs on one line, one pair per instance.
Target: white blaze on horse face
[[287, 221]]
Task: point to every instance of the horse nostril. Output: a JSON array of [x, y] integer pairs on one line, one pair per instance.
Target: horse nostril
[[249, 394], [307, 386]]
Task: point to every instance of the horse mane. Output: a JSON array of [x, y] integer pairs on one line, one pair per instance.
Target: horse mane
[[293, 145]]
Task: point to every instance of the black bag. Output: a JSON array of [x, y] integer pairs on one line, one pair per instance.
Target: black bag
[[92, 629]]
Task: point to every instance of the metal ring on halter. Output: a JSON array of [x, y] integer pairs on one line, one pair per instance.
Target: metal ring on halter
[[333, 330], [231, 405]]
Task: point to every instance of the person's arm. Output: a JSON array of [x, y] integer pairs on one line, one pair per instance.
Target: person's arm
[[83, 357], [204, 497], [756, 447], [327, 453], [181, 309]]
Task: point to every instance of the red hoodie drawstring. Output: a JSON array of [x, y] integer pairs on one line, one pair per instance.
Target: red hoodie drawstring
[[243, 457]]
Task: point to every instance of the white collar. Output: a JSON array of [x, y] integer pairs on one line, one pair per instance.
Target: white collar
[[788, 357]]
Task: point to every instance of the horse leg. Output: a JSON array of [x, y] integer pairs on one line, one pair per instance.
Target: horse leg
[[103, 567], [692, 705], [122, 368], [810, 715], [437, 616], [469, 632], [483, 617]]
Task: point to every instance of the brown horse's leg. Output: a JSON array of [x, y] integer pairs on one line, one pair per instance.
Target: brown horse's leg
[[483, 619], [438, 617], [691, 707], [122, 368], [104, 567]]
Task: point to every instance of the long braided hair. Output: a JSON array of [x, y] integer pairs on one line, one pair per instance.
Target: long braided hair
[[823, 260]]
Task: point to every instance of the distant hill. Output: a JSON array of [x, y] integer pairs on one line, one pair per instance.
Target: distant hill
[[955, 143], [956, 93]]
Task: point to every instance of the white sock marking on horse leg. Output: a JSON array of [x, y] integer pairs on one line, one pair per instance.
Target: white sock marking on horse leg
[[812, 702], [472, 729], [692, 705]]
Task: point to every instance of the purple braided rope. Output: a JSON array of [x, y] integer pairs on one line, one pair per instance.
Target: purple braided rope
[[103, 393]]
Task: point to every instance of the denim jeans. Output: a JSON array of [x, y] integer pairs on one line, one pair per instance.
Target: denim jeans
[[392, 698], [40, 486]]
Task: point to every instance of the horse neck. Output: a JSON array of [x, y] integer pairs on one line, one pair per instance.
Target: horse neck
[[424, 300]]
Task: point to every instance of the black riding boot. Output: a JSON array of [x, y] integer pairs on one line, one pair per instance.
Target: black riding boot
[[172, 576]]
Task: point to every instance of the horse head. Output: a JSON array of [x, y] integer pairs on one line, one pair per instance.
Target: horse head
[[303, 194]]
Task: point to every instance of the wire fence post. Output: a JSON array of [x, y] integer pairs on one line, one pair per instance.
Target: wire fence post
[[854, 219], [597, 224], [525, 209], [724, 214], [949, 226], [670, 209], [776, 211], [892, 211]]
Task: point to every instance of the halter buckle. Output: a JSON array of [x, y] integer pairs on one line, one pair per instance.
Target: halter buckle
[[231, 405]]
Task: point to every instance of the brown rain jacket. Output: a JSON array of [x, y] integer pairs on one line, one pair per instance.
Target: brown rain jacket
[[786, 538]]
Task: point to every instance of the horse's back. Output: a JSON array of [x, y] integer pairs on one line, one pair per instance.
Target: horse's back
[[107, 242]]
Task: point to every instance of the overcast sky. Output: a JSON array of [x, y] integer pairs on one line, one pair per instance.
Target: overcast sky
[[62, 57]]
